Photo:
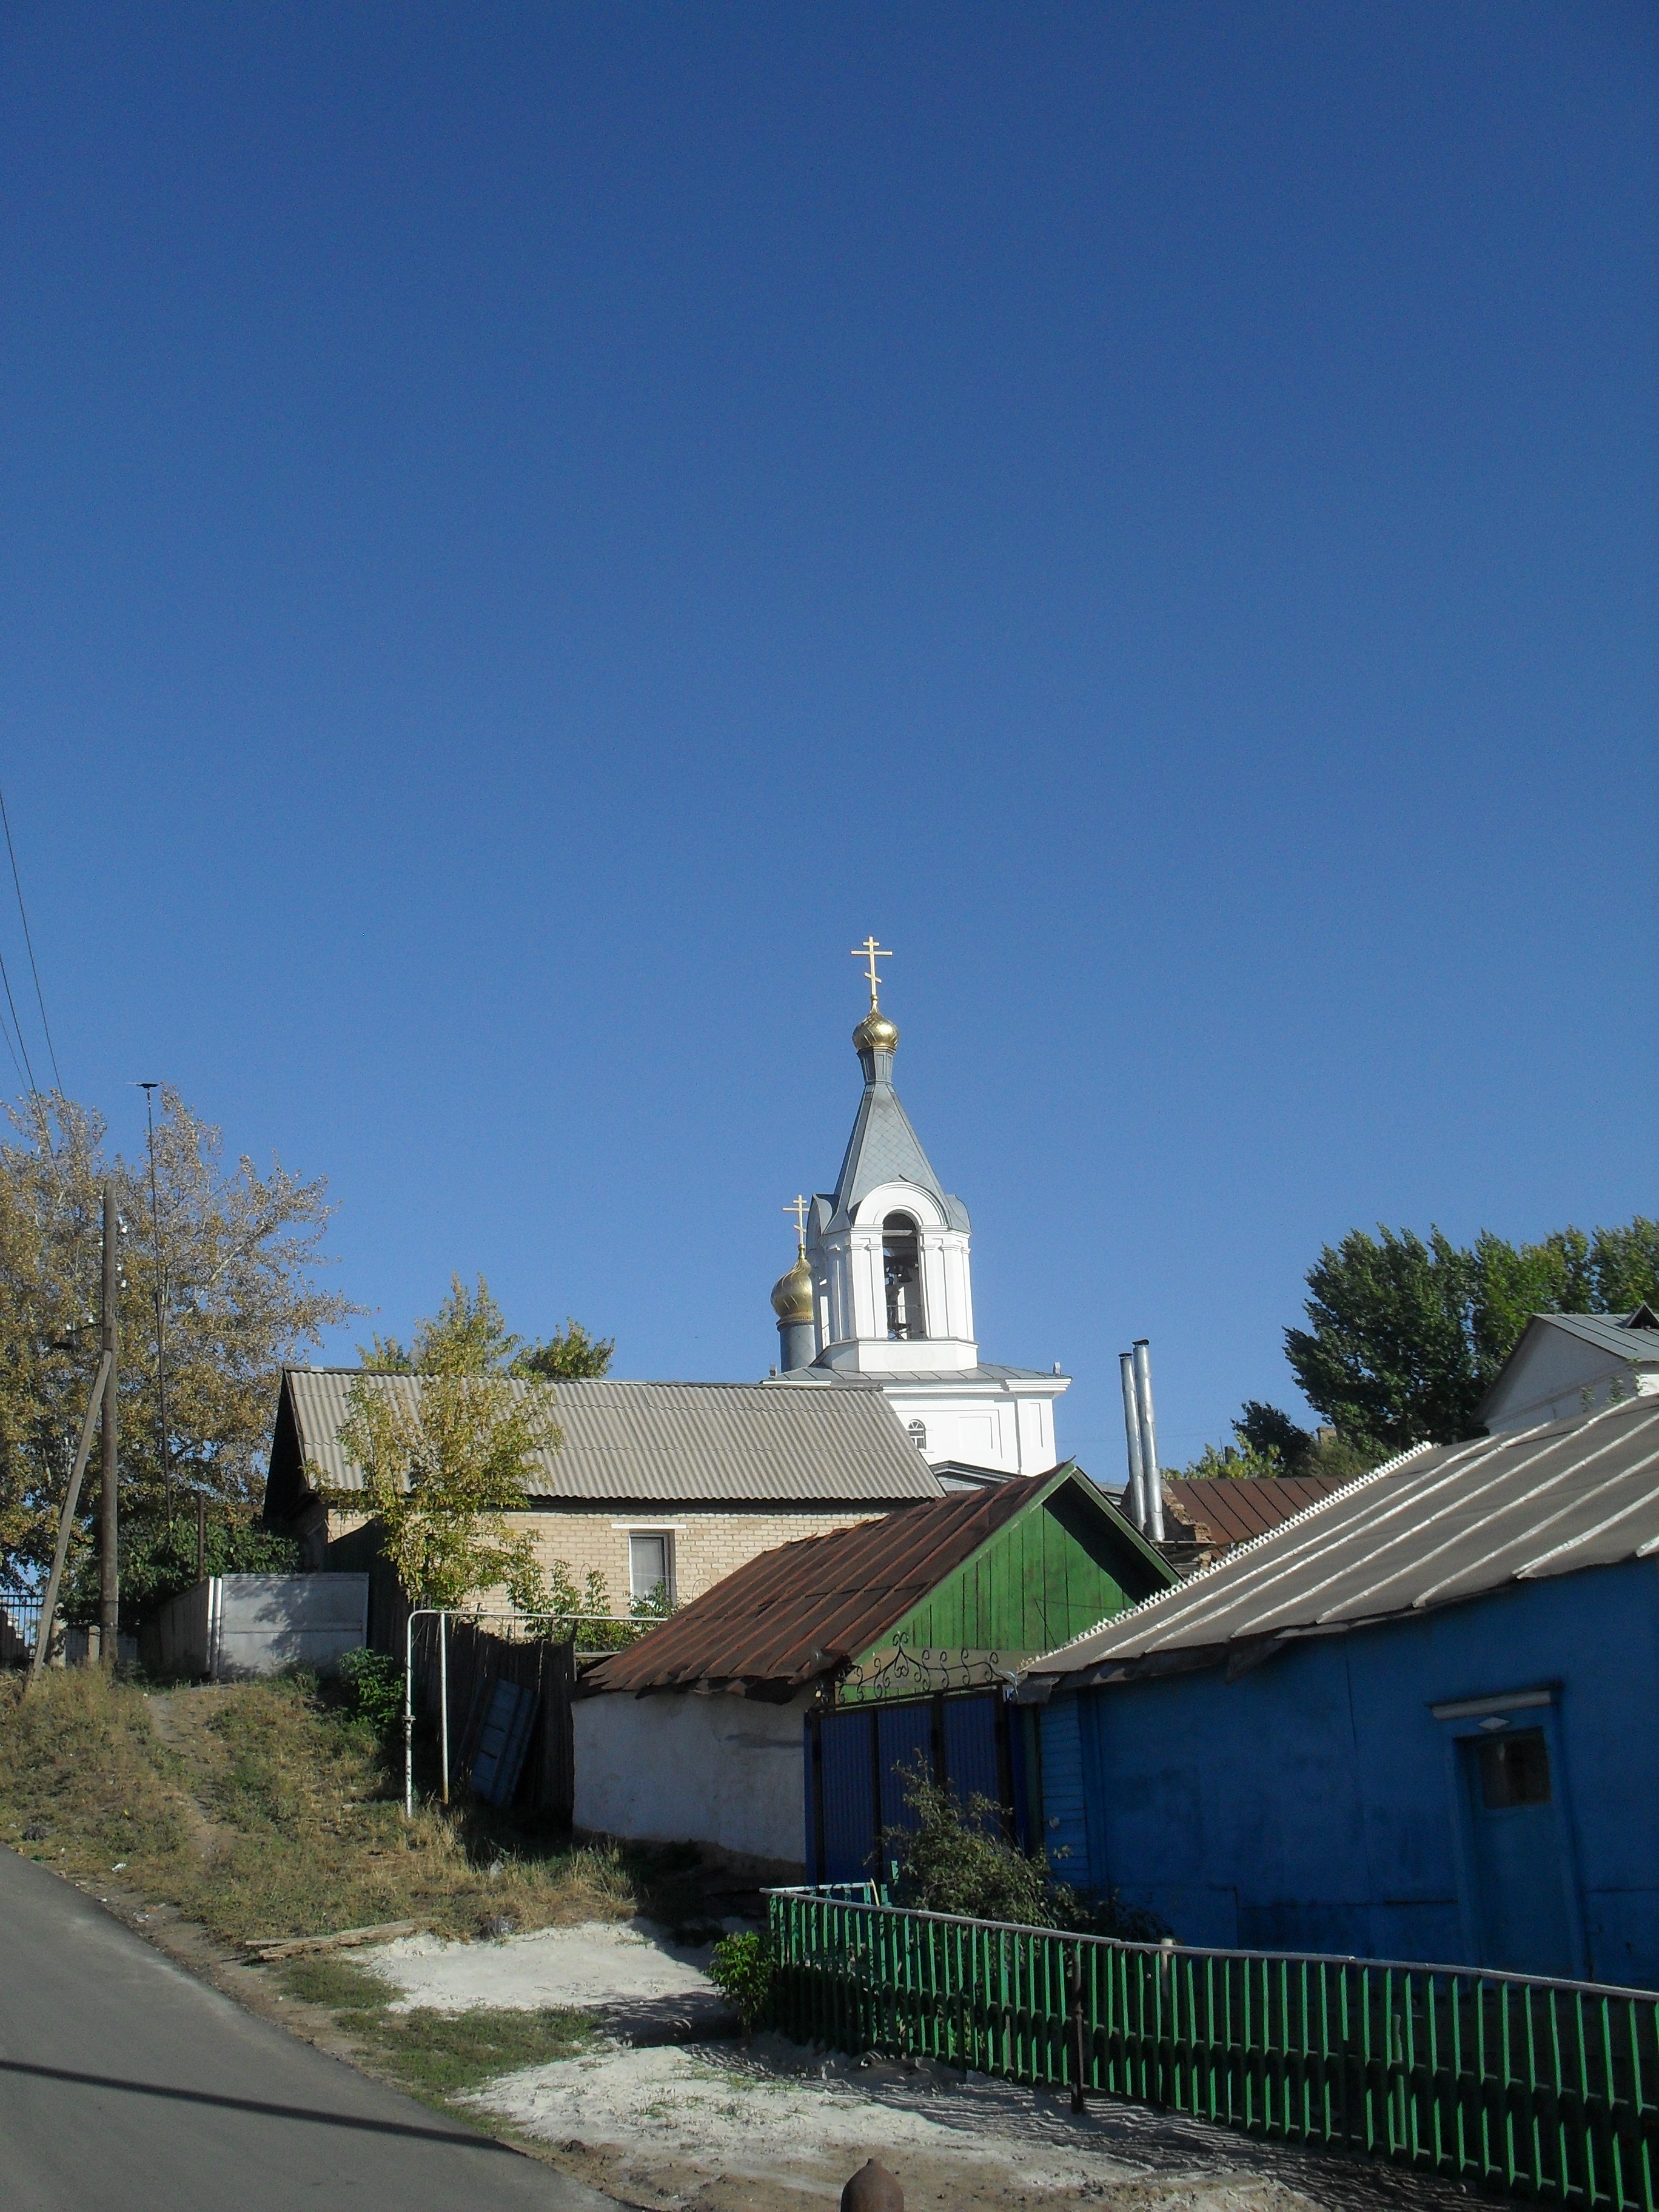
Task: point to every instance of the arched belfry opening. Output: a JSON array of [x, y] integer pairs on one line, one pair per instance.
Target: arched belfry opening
[[900, 1252]]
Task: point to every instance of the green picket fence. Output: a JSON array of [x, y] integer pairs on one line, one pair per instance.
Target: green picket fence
[[1528, 2089]]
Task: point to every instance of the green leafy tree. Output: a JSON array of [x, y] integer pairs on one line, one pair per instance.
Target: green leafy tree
[[238, 1268], [1241, 1461], [1260, 1428], [569, 1355], [468, 1335], [1265, 1428], [1405, 1337], [953, 1857], [441, 1466], [743, 1969]]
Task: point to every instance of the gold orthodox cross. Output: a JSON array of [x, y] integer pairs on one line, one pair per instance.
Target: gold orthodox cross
[[799, 1208], [871, 951]]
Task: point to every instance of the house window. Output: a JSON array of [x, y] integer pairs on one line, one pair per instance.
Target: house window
[[918, 1433], [902, 1264], [1515, 1770], [650, 1563]]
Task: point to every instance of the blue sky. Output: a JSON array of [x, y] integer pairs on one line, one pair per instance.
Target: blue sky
[[529, 531]]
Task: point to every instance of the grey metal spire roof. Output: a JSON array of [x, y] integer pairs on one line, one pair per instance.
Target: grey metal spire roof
[[884, 1148]]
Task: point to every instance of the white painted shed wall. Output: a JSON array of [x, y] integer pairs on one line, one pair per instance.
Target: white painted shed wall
[[1557, 1376], [672, 1767]]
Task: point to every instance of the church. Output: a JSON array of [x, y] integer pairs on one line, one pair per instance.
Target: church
[[881, 1298]]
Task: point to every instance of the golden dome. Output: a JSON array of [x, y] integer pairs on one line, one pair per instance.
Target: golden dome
[[792, 1294], [875, 1033]]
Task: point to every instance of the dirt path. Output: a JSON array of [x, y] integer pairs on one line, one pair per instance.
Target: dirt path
[[181, 1718]]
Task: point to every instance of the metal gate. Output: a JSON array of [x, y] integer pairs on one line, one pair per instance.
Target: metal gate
[[859, 1761]]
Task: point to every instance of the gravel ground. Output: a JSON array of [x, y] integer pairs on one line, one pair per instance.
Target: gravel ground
[[722, 2126]]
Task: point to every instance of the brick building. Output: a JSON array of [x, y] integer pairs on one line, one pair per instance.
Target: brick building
[[653, 1482]]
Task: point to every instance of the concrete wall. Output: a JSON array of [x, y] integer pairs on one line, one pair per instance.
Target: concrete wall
[[672, 1767], [1313, 1804], [235, 1627]]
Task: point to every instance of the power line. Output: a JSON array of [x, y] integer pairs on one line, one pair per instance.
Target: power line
[[34, 1088], [12, 1049], [39, 995]]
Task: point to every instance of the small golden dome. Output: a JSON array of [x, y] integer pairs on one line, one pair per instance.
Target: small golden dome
[[875, 1033], [792, 1294]]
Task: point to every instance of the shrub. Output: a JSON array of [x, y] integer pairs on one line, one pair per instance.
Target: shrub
[[741, 1968], [956, 1859], [373, 1684]]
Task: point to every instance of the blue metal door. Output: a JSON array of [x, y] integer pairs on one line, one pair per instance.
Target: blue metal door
[[1520, 1874], [905, 1745], [843, 1799], [971, 1766]]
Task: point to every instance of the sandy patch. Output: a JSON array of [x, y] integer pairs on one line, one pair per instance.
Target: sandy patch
[[776, 2113], [598, 1964]]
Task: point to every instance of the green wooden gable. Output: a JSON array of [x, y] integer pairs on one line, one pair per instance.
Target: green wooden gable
[[1065, 1562]]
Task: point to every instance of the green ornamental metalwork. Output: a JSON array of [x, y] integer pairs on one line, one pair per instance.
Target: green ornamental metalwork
[[1531, 2088]]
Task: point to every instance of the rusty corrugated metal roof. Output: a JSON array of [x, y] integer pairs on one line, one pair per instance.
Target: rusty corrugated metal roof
[[802, 1610], [662, 1442], [1232, 1509]]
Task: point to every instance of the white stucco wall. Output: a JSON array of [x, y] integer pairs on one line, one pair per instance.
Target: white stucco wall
[[672, 1767]]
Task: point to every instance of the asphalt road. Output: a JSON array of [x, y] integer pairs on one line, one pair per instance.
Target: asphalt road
[[128, 2086]]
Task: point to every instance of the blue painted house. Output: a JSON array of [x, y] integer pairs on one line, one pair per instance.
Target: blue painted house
[[1419, 1721]]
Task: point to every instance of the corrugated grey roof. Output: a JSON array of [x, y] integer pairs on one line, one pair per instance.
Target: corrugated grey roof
[[1443, 1522], [702, 1442]]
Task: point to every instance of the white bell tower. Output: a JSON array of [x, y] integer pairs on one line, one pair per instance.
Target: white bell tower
[[887, 1251]]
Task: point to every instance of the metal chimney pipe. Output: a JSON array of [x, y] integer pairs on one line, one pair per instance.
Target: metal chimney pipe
[[1137, 1495], [1152, 1526]]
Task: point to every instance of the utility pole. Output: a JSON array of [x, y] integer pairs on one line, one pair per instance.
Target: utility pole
[[109, 1565], [149, 1091]]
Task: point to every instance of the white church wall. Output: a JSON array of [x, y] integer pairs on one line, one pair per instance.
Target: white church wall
[[672, 1768]]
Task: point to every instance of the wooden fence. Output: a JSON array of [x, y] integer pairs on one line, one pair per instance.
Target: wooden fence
[[478, 1660]]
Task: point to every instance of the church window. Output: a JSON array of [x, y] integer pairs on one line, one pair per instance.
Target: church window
[[902, 1263], [918, 1433]]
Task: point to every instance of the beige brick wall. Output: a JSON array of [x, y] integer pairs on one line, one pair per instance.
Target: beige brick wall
[[709, 1542], [708, 1546]]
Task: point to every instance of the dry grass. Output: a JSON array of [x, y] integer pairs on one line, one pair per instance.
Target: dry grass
[[267, 1813]]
